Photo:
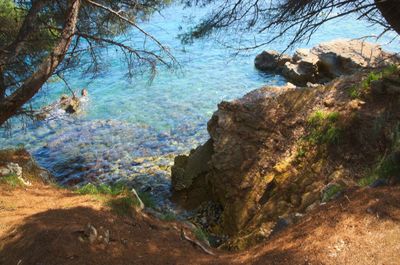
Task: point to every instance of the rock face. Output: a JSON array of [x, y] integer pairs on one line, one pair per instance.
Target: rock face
[[189, 172], [69, 104], [271, 60], [20, 163], [325, 61], [277, 153]]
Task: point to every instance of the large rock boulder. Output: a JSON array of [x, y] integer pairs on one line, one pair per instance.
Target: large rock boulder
[[344, 57], [326, 61], [277, 152], [271, 61]]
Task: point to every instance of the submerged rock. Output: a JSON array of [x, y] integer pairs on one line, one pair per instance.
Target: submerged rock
[[68, 104], [326, 61]]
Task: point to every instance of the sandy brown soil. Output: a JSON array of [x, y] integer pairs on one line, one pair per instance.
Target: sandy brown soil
[[42, 224]]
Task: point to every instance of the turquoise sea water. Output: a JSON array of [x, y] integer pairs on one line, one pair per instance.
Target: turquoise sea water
[[125, 119]]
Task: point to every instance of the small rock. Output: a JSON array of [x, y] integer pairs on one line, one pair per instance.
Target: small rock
[[330, 102], [355, 104], [91, 233], [107, 236], [309, 198]]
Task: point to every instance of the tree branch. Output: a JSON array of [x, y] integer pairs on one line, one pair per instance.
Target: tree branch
[[31, 86]]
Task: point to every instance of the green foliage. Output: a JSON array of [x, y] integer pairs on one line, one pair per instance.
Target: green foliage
[[319, 117], [385, 168], [373, 76], [367, 180], [123, 206], [356, 91], [95, 27], [170, 216], [324, 128], [10, 19], [390, 70], [115, 189], [12, 180], [301, 153], [330, 192], [147, 199], [201, 234]]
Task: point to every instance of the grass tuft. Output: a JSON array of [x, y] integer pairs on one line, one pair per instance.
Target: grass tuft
[[12, 180], [114, 190], [170, 216], [324, 128], [357, 91], [147, 200], [200, 234], [123, 206], [331, 192]]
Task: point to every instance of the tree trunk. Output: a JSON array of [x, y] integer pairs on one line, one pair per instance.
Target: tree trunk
[[390, 10], [10, 105]]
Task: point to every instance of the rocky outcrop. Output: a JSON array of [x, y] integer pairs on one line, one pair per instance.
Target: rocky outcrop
[[19, 163], [277, 153], [271, 60], [326, 61], [69, 104]]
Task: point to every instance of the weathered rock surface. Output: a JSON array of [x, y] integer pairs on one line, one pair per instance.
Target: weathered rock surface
[[271, 60], [20, 163], [326, 61], [69, 104], [262, 163]]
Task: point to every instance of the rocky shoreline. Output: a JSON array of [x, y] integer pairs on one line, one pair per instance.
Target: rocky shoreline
[[325, 61], [279, 152]]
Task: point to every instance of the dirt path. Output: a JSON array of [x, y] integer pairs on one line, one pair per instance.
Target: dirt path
[[43, 225]]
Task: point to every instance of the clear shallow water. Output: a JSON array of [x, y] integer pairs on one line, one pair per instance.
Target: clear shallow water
[[126, 119]]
